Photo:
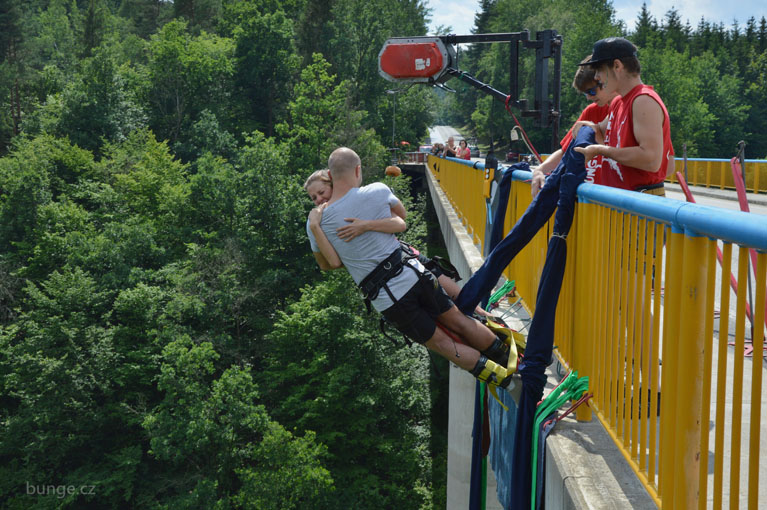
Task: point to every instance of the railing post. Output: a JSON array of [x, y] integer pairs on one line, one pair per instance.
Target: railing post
[[581, 345], [671, 319], [756, 177], [722, 167], [756, 381], [689, 373]]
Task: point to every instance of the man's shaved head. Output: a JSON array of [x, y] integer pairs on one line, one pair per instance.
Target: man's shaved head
[[342, 162]]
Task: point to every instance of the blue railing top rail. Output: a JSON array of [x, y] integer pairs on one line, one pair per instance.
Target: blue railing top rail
[[718, 160], [479, 165], [746, 229], [737, 227]]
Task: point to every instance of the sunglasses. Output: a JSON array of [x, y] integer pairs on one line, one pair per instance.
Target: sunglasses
[[593, 90]]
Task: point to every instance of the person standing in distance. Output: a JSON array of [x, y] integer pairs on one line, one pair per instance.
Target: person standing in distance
[[450, 149]]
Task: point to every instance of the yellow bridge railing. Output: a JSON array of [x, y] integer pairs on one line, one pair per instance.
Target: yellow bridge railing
[[460, 180], [716, 173], [637, 313]]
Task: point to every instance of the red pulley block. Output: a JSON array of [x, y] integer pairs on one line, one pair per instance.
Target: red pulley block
[[417, 59]]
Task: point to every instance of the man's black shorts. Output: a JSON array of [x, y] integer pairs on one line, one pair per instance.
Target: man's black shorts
[[415, 314]]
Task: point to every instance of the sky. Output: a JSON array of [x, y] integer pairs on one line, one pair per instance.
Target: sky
[[459, 14]]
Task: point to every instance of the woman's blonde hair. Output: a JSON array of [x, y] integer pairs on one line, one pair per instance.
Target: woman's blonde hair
[[319, 175]]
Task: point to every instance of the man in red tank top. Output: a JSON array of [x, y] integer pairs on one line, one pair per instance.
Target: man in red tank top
[[635, 148]]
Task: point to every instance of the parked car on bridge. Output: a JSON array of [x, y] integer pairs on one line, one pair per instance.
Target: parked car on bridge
[[424, 148]]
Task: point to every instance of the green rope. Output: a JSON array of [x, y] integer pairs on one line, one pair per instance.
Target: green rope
[[571, 388], [498, 295]]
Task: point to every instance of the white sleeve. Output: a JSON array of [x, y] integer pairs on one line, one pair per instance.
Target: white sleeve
[[389, 195], [312, 240]]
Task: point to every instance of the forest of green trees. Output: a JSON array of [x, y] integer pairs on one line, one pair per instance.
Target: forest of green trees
[[166, 340]]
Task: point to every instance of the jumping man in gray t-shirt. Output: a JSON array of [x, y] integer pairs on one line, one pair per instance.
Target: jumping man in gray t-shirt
[[419, 302]]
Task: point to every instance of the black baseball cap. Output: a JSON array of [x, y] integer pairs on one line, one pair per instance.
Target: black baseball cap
[[609, 49]]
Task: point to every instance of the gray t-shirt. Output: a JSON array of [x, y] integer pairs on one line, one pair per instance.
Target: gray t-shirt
[[363, 253]]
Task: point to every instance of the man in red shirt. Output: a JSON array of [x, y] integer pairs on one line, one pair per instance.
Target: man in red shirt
[[635, 150], [595, 112]]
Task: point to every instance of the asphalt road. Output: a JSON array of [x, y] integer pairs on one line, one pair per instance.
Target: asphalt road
[[440, 134], [726, 199]]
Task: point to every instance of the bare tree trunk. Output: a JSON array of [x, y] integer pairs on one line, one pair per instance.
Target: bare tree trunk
[[15, 101], [17, 116], [270, 105]]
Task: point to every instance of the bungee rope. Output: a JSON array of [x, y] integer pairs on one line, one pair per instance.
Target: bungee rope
[[524, 134]]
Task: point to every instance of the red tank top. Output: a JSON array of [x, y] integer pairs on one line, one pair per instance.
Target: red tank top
[[593, 113], [620, 133]]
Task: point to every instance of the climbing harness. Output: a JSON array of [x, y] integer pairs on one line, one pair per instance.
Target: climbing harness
[[392, 266], [377, 279]]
